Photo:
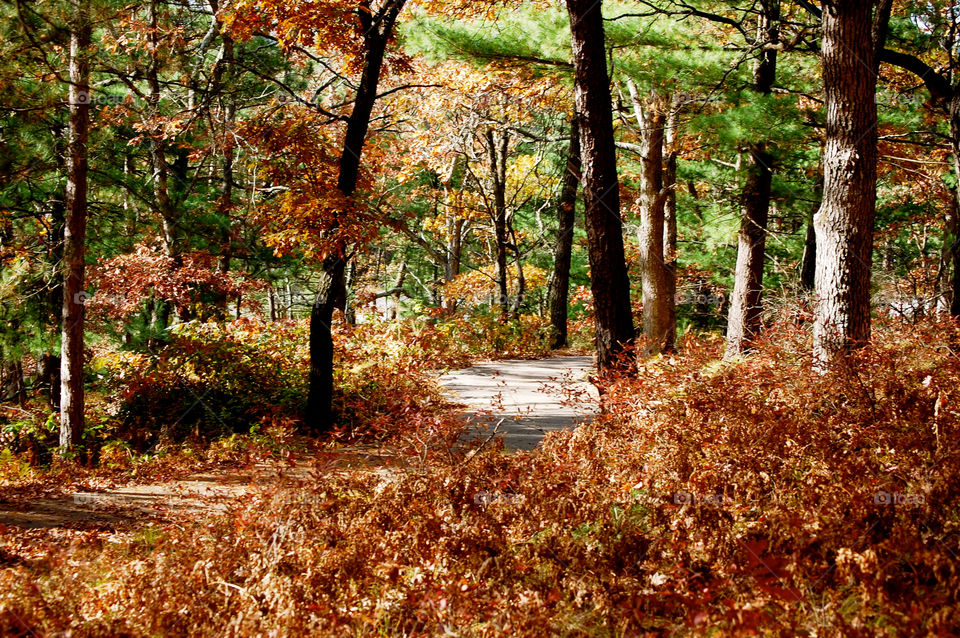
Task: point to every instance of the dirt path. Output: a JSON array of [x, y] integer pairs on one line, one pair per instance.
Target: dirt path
[[526, 398], [135, 506], [531, 398]]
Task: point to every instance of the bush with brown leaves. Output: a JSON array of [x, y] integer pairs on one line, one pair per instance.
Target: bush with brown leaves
[[744, 498]]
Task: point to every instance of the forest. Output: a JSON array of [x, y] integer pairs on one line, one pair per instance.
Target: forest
[[260, 258]]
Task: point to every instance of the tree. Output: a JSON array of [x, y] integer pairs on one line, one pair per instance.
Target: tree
[[567, 214], [659, 325], [601, 185], [377, 30], [844, 224], [743, 322], [74, 252]]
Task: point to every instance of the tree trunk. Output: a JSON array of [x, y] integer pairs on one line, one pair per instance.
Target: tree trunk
[[670, 221], [563, 251], [347, 304], [809, 264], [650, 237], [48, 375], [393, 312], [498, 186], [601, 186], [743, 320], [50, 361], [952, 242], [158, 159], [517, 304], [14, 386], [844, 224], [74, 250], [377, 30]]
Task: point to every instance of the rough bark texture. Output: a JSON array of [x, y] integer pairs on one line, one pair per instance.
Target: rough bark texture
[[601, 187], [844, 224], [74, 251], [743, 320], [566, 212], [657, 330], [377, 28]]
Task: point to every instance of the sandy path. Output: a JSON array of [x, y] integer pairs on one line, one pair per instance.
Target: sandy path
[[527, 398], [530, 397]]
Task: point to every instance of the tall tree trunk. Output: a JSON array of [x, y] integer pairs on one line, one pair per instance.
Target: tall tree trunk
[[74, 250], [952, 243], [670, 220], [517, 303], [563, 251], [50, 363], [377, 30], [650, 236], [158, 159], [844, 225], [498, 187], [743, 320], [601, 186], [455, 231], [225, 204]]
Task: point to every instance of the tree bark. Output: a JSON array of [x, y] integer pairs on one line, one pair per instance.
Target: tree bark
[[498, 188], [650, 236], [49, 370], [158, 159], [844, 224], [743, 320], [563, 251], [377, 29], [517, 304], [74, 250], [601, 187], [952, 240], [670, 220], [225, 204]]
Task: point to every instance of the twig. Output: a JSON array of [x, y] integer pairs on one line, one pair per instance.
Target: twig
[[484, 444]]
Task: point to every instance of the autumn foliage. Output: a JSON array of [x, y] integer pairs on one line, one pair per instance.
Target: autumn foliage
[[711, 495]]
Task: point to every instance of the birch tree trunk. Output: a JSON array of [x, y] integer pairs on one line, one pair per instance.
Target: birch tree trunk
[[74, 248]]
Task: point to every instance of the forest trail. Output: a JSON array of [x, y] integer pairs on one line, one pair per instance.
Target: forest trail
[[527, 397]]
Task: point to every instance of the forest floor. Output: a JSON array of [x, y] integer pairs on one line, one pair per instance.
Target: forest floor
[[520, 400]]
